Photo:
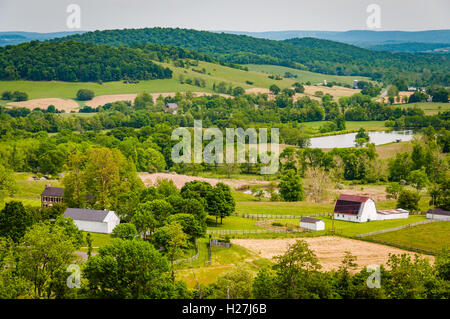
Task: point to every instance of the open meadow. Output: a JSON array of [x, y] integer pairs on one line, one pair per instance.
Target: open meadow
[[432, 237]]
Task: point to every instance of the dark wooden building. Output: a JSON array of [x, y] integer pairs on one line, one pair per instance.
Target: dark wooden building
[[51, 196]]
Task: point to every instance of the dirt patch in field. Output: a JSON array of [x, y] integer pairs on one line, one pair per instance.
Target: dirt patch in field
[[335, 91], [60, 104], [257, 91], [329, 250], [103, 99], [179, 180]]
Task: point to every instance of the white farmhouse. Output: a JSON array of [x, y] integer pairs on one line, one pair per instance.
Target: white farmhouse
[[312, 223], [438, 214], [358, 209], [96, 221]]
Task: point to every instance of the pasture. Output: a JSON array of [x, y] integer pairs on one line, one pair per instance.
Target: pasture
[[432, 237], [430, 108], [304, 76]]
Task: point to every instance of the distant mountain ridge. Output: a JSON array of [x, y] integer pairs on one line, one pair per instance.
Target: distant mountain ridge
[[365, 37], [17, 37]]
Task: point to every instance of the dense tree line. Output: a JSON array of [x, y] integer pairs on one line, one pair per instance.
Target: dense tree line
[[316, 55], [74, 61]]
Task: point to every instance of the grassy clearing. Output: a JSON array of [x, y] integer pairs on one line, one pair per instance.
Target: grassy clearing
[[98, 240], [242, 197], [29, 191], [390, 150], [304, 76], [432, 237], [231, 223], [313, 128], [222, 260]]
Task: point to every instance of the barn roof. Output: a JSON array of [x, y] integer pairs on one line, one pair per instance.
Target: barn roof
[[438, 211], [349, 204], [86, 214], [53, 191], [310, 220]]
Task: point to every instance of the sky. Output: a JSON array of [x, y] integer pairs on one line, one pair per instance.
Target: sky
[[232, 15]]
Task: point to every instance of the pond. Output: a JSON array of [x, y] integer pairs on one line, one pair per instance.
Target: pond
[[348, 140]]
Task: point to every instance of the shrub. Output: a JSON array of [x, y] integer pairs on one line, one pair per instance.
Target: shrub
[[277, 224], [85, 95], [19, 96], [7, 95]]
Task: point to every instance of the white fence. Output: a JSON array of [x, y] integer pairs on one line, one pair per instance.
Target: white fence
[[279, 216]]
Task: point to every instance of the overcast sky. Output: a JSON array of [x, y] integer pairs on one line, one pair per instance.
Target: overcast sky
[[237, 15]]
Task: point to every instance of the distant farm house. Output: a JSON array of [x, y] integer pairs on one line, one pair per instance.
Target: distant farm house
[[51, 196], [312, 223], [54, 195], [361, 209], [438, 214], [96, 221], [171, 107]]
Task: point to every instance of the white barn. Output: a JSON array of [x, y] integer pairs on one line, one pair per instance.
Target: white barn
[[352, 208], [96, 221], [312, 223], [438, 214]]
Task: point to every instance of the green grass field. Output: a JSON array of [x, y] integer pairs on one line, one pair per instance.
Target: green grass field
[[350, 125], [232, 223], [432, 237], [304, 76], [430, 108], [350, 229]]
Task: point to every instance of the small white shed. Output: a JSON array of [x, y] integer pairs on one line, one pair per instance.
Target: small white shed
[[312, 223], [96, 221], [438, 214]]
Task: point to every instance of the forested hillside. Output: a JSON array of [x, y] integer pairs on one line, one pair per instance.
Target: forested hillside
[[75, 61], [307, 53]]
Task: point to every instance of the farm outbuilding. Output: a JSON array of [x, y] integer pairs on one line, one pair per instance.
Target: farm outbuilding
[[438, 214], [96, 221], [398, 213], [171, 107], [312, 223], [358, 209]]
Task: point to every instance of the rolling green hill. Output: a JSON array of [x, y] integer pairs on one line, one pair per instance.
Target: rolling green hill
[[316, 55]]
